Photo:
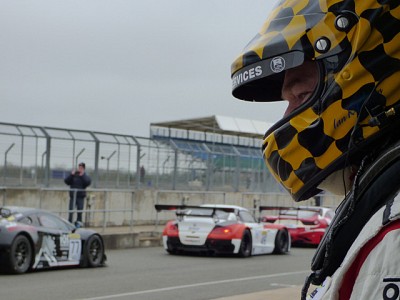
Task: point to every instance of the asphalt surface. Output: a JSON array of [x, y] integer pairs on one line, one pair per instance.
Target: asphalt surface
[[284, 293], [152, 274], [289, 293]]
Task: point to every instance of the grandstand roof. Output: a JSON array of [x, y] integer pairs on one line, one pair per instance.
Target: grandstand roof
[[221, 125]]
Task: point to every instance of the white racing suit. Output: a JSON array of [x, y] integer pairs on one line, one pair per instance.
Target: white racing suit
[[371, 269], [359, 258]]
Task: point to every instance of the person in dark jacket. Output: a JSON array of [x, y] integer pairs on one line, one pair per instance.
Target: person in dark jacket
[[78, 181]]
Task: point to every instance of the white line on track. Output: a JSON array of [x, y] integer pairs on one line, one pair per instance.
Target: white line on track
[[283, 285], [196, 285]]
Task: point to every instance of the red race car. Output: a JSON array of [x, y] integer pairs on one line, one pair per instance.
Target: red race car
[[306, 225]]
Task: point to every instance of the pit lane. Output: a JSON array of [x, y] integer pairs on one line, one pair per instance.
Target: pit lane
[[151, 274]]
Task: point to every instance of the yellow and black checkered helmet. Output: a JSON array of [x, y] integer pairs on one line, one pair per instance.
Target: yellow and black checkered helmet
[[356, 45]]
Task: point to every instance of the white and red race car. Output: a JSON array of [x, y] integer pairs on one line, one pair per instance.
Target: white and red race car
[[221, 229]]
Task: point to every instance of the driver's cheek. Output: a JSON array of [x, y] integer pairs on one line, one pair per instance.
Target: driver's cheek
[[292, 105]]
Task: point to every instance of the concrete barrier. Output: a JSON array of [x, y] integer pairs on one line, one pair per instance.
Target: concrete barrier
[[132, 240], [127, 218], [109, 208]]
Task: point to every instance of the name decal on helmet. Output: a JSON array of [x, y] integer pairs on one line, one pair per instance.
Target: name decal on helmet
[[246, 75], [337, 123], [277, 64]]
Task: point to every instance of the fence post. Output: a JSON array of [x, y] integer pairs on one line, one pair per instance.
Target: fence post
[[48, 153], [96, 159]]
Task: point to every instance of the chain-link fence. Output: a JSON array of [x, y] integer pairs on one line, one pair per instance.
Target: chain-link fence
[[44, 156]]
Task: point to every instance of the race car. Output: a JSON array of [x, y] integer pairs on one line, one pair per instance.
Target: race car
[[306, 224], [221, 229], [33, 239]]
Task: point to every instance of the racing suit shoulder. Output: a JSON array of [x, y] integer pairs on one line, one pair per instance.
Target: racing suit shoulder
[[372, 275], [370, 266]]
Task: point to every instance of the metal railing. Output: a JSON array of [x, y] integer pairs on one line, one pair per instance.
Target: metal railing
[[36, 156]]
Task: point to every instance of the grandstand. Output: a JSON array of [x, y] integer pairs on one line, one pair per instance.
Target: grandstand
[[223, 144], [222, 136]]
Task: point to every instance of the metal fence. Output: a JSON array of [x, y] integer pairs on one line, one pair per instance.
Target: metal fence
[[36, 156]]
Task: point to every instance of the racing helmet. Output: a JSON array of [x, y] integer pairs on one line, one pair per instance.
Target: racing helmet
[[356, 48]]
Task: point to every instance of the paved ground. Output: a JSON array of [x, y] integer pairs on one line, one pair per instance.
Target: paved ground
[[291, 293]]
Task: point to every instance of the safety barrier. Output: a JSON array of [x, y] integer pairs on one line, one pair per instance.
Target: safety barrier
[[118, 207]]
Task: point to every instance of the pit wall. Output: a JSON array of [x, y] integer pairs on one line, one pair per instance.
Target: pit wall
[[105, 208]]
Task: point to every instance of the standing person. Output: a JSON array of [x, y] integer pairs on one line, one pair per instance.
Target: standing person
[[337, 63], [78, 182]]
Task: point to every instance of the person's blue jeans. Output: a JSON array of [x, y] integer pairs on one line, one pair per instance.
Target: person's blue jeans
[[79, 206]]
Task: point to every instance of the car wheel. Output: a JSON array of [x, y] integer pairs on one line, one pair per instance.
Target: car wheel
[[245, 245], [281, 242], [20, 258], [172, 252], [170, 249], [93, 252]]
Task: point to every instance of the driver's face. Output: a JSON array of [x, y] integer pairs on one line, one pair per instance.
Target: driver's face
[[299, 84]]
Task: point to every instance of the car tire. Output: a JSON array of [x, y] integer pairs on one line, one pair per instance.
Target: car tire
[[170, 249], [281, 242], [20, 258], [246, 244], [93, 252]]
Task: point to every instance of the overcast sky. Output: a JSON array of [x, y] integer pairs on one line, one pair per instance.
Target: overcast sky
[[118, 65]]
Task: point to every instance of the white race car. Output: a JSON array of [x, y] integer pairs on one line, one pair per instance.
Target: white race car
[[221, 229]]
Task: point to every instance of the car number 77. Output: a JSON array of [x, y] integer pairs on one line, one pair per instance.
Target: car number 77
[[75, 249]]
